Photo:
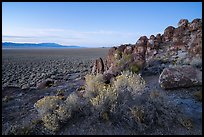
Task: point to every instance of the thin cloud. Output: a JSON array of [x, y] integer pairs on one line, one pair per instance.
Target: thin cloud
[[70, 37], [20, 37]]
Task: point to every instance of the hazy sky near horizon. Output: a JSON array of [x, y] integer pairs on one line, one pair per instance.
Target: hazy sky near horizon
[[91, 24]]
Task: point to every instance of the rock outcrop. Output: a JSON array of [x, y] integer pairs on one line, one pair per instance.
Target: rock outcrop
[[98, 66], [179, 77], [176, 46]]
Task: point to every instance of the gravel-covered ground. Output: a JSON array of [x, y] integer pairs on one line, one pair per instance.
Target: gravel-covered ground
[[23, 69]]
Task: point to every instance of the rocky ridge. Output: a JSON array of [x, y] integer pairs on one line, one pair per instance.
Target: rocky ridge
[[176, 46]]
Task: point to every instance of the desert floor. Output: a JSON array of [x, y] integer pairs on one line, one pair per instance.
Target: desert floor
[[23, 69]]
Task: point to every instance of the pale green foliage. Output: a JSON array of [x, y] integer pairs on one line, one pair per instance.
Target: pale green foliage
[[113, 97], [66, 109], [48, 103], [51, 121], [72, 100], [106, 97], [53, 110], [131, 82], [93, 83], [105, 94]]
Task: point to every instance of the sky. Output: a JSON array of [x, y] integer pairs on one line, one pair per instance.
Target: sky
[[91, 24]]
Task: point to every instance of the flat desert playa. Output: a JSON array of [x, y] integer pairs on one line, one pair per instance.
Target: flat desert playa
[[26, 67], [23, 70]]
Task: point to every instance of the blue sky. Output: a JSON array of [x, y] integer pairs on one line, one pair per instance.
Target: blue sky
[[91, 23]]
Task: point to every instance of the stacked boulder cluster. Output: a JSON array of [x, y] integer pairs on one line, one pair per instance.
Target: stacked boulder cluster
[[176, 55]]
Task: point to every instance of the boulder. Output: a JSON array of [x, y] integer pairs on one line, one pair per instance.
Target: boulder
[[44, 84], [195, 25], [183, 23], [142, 40], [128, 49], [168, 34], [110, 57], [180, 77], [98, 66], [159, 38], [195, 44]]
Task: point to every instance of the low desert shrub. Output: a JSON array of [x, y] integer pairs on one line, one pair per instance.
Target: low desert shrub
[[102, 103], [134, 68], [156, 111], [198, 95], [127, 57], [48, 104], [129, 82], [115, 97], [51, 121], [186, 122], [123, 100], [93, 84], [46, 108], [54, 111]]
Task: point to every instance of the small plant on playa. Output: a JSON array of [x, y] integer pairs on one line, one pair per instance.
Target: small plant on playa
[[198, 95], [186, 122], [137, 117], [7, 98], [138, 113], [60, 92]]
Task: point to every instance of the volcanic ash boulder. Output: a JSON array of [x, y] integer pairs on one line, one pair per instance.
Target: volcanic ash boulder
[[180, 76]]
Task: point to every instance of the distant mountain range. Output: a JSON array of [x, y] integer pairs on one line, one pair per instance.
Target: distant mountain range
[[34, 45]]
